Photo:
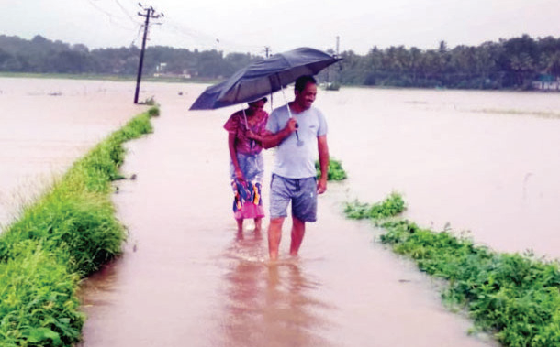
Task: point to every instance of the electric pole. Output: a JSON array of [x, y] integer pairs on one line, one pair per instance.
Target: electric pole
[[149, 14], [337, 46]]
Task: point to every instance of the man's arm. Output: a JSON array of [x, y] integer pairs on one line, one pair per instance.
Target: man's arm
[[269, 140], [324, 160]]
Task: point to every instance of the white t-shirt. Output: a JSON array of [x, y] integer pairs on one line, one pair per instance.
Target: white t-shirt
[[296, 159]]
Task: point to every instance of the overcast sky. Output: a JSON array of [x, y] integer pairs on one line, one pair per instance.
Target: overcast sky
[[251, 25]]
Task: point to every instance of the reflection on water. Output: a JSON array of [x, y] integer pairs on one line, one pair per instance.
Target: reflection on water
[[272, 304]]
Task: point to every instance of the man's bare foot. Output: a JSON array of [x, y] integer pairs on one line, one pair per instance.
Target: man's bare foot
[[281, 262], [272, 257]]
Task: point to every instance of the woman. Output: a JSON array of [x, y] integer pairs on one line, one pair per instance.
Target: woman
[[246, 164]]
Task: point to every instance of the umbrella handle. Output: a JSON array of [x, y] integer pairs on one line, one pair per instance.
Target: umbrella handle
[[286, 100], [289, 111], [252, 142], [245, 117]]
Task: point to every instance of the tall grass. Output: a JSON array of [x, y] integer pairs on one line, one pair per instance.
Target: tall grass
[[69, 233], [514, 296]]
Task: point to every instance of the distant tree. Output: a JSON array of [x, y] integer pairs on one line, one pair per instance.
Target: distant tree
[[506, 63], [442, 46]]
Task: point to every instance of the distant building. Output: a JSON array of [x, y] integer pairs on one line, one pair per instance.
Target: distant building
[[161, 72], [547, 83]]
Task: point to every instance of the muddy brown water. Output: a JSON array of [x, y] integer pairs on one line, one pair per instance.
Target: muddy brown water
[[484, 162], [45, 125]]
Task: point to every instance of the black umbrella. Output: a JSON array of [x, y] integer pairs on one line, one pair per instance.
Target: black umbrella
[[264, 77], [208, 100]]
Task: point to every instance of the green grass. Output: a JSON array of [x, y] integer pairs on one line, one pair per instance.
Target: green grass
[[336, 172], [67, 234], [515, 297]]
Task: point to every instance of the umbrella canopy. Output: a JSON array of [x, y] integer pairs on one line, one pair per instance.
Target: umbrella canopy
[[208, 100], [264, 77]]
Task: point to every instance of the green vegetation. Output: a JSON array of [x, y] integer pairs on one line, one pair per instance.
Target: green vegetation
[[68, 234], [512, 63], [390, 207], [154, 111], [507, 64], [336, 172], [41, 55], [515, 297]]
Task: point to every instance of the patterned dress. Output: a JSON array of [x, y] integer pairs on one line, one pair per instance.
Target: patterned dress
[[247, 201]]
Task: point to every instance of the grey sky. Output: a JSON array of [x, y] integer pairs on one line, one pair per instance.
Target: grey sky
[[250, 25]]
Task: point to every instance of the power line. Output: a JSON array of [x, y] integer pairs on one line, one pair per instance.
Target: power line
[[204, 40], [110, 16], [137, 35], [126, 12], [150, 13]]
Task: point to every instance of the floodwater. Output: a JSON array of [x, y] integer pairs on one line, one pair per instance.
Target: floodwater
[[45, 126], [483, 162]]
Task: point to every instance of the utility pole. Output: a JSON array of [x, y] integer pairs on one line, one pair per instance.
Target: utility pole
[[149, 14], [337, 46]]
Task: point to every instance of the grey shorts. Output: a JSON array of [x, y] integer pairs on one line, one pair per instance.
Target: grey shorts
[[302, 193]]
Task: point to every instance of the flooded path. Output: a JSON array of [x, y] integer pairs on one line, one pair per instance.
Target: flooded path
[[484, 162], [186, 278]]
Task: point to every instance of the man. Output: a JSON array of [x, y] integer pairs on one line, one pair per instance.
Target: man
[[295, 129]]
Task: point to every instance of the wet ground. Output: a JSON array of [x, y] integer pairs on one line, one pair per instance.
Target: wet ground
[[481, 161]]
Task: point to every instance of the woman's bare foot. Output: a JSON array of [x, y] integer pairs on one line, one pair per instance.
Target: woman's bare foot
[[239, 226], [258, 225]]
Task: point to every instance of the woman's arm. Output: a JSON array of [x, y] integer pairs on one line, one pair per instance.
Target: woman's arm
[[233, 156]]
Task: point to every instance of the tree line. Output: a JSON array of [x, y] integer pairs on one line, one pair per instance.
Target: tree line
[[41, 55], [507, 64]]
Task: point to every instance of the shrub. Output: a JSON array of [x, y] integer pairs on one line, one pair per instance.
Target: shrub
[[336, 172]]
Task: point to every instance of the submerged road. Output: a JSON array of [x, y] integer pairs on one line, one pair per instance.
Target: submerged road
[[187, 279]]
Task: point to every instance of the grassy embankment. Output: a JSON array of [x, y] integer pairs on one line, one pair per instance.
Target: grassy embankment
[[515, 297], [68, 234]]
